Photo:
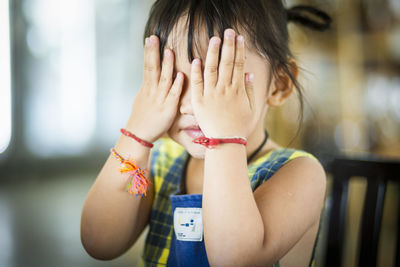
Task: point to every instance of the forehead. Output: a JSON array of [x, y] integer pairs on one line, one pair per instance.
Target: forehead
[[178, 42]]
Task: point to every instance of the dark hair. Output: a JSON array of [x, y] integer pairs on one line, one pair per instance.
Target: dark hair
[[264, 23]]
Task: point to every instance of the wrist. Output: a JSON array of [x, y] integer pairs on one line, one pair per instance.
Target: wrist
[[136, 138], [140, 132], [126, 146], [138, 182], [210, 142], [224, 150]]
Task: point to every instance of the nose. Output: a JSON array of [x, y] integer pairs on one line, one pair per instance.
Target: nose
[[185, 105]]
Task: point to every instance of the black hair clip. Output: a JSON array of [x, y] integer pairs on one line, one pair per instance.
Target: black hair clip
[[296, 14]]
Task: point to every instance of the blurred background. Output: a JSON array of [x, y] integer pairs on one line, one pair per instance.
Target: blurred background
[[69, 71]]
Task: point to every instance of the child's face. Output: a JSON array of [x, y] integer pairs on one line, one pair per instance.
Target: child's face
[[185, 118]]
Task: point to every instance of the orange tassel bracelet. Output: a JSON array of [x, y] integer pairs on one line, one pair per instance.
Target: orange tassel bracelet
[[138, 183]]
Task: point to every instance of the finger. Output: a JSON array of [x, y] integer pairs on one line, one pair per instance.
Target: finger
[[238, 69], [146, 55], [166, 72], [151, 72], [249, 84], [196, 80], [227, 59], [211, 65], [176, 89]]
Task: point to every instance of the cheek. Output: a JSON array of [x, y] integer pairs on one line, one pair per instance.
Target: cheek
[[173, 133], [261, 76], [260, 85], [174, 127], [259, 66]]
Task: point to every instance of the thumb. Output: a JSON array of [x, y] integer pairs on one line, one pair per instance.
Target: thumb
[[250, 88]]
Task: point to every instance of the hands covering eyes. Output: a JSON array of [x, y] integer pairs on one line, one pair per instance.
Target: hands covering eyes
[[222, 96]]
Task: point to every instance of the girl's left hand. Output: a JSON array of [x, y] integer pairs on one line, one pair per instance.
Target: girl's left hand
[[224, 103]]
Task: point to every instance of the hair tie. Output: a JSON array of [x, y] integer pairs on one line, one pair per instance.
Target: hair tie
[[296, 14]]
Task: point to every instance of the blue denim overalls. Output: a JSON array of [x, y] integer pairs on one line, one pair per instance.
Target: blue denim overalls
[[187, 244]]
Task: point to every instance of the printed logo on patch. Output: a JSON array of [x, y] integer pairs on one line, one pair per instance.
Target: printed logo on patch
[[188, 224]]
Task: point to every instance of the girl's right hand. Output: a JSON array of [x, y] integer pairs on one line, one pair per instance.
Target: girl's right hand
[[155, 106]]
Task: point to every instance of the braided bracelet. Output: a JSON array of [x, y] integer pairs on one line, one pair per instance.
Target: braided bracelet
[[138, 182], [213, 142], [131, 135]]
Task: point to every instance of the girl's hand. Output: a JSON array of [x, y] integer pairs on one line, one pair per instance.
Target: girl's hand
[[224, 103], [155, 106]]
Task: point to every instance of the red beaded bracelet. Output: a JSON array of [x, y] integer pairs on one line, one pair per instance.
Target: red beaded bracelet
[[131, 135], [213, 142]]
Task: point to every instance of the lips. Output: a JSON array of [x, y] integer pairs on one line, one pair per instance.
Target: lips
[[194, 131]]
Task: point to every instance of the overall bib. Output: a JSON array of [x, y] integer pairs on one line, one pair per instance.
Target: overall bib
[[187, 245]]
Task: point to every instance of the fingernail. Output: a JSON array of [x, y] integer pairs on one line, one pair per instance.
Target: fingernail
[[153, 39], [215, 41], [166, 53], [240, 39], [250, 77], [229, 33], [196, 62], [147, 41]]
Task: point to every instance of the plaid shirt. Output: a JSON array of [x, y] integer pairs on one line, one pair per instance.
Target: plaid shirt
[[167, 163]]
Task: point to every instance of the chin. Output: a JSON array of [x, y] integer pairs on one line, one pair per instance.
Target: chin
[[195, 150], [197, 153]]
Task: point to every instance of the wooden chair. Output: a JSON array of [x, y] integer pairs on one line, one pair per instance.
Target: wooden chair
[[377, 172]]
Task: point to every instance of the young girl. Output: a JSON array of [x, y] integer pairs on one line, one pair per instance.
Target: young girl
[[218, 191]]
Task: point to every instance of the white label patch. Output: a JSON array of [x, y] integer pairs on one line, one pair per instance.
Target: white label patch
[[188, 224]]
